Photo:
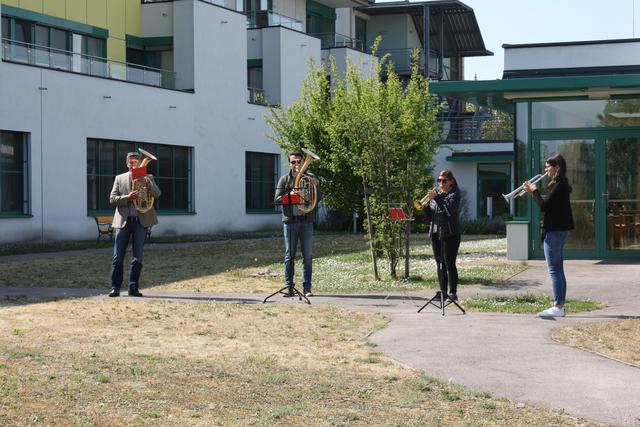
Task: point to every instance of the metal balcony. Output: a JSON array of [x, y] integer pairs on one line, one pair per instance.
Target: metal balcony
[[26, 53]]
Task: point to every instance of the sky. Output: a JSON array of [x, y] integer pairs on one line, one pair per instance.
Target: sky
[[544, 21]]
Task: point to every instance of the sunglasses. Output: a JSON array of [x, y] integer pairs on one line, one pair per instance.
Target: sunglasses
[[442, 179], [294, 162]]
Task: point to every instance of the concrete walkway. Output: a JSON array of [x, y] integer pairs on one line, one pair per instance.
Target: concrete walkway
[[504, 354]]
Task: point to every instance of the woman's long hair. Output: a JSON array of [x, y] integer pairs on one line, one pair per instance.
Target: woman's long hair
[[449, 175], [561, 173]]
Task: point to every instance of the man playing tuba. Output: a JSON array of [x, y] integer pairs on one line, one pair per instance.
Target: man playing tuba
[[130, 224], [298, 213]]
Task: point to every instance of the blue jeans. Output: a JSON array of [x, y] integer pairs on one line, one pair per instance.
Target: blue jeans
[[553, 247], [135, 232], [293, 231]]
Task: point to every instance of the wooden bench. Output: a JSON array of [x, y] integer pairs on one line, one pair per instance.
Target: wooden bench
[[104, 226], [105, 229]]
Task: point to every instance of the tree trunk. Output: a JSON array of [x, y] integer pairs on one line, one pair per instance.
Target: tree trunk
[[407, 225], [370, 226]]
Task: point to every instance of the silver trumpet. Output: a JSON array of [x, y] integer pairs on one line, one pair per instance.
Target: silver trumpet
[[520, 190]]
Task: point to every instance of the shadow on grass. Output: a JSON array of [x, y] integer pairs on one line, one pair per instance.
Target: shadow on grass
[[233, 300]]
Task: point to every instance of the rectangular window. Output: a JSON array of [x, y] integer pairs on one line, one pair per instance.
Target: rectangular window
[[14, 194], [5, 28], [361, 34], [172, 173], [494, 179], [261, 177]]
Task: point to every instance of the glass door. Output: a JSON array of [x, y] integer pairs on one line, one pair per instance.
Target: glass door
[[580, 154], [621, 195], [603, 168]]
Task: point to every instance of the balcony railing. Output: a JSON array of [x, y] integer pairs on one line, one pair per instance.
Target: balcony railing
[[26, 53], [332, 40], [267, 18], [477, 128], [256, 96], [401, 59]]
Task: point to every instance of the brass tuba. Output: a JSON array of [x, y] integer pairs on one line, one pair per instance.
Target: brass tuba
[[145, 200], [307, 189]]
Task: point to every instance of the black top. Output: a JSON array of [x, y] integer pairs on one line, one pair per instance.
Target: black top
[[444, 213], [556, 207]]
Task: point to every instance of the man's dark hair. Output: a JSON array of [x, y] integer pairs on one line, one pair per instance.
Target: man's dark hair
[[296, 153]]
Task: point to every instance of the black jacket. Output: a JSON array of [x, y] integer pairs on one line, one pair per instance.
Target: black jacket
[[444, 214], [556, 207]]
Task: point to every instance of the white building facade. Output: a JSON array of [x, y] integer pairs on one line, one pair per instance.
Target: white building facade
[[69, 115]]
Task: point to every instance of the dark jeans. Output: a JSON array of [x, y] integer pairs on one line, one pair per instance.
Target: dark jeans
[[294, 231], [445, 252], [135, 232]]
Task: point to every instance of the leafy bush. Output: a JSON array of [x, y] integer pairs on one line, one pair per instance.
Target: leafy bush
[[483, 226]]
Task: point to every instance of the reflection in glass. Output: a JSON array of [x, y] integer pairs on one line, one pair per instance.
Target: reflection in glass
[[585, 114], [623, 200], [580, 155]]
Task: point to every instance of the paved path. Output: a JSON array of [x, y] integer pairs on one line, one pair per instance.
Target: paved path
[[505, 354]]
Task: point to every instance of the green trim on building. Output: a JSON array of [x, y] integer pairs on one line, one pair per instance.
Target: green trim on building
[[53, 21], [480, 157], [320, 9], [149, 41], [254, 63], [502, 93]]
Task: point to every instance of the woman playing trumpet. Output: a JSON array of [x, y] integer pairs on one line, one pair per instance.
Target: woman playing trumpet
[[443, 210], [557, 221]]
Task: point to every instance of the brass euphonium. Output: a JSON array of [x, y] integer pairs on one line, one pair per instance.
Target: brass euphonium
[[418, 204], [144, 202], [304, 184]]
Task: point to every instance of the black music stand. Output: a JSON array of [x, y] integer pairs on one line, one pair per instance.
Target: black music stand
[[441, 302], [290, 200], [293, 293]]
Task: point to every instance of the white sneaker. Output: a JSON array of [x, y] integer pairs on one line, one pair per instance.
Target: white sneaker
[[553, 312]]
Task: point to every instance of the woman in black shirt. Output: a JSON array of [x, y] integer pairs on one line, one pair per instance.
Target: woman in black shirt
[[557, 222], [443, 210]]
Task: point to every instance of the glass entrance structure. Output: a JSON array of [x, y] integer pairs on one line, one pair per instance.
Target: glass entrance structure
[[594, 122]]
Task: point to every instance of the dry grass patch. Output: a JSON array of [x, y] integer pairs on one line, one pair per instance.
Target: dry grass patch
[[142, 362], [341, 265], [617, 339]]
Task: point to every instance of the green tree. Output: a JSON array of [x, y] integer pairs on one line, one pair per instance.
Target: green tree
[[375, 137]]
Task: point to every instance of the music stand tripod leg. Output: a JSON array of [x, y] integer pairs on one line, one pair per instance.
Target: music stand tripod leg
[[459, 306], [300, 295], [275, 293], [428, 302]]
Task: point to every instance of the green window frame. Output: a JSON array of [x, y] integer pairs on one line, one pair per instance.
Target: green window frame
[[14, 174], [261, 177], [173, 172]]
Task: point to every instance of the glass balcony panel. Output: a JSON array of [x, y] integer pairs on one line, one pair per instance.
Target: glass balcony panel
[[265, 18], [332, 40], [21, 52]]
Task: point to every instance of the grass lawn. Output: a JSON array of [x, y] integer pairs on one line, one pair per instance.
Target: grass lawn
[[102, 362], [341, 265], [529, 304], [617, 339]]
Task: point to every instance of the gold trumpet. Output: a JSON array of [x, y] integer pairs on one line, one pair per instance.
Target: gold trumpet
[[417, 204]]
